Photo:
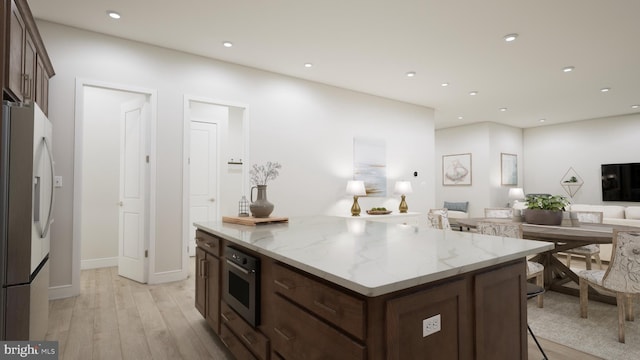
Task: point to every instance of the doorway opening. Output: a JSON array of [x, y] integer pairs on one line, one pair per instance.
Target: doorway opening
[[114, 176], [216, 154]]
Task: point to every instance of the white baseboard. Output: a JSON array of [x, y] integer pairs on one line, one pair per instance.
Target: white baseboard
[[61, 292], [98, 263], [167, 276]]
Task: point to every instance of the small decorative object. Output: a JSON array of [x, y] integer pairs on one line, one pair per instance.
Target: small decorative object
[[456, 169], [402, 188], [378, 211], [545, 209], [260, 175], [243, 207], [356, 188], [571, 182]]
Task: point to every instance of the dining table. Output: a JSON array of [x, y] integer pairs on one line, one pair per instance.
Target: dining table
[[557, 276]]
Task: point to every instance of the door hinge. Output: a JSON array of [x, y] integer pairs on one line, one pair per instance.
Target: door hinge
[[147, 159], [146, 253]]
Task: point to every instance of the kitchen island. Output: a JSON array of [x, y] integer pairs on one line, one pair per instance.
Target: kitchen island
[[347, 288]]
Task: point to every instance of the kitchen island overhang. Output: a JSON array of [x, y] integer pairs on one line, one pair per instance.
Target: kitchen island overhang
[[374, 258]]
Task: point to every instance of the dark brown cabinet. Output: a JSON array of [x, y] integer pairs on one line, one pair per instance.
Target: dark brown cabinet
[[208, 278], [27, 64], [475, 315]]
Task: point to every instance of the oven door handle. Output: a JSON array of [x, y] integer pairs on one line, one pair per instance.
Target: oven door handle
[[241, 269]]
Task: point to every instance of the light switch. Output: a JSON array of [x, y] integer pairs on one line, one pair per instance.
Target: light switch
[[57, 181]]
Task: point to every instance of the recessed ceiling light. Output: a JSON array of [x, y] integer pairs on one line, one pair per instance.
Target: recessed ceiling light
[[635, 106], [568, 68], [604, 90], [113, 14], [444, 84], [411, 74], [308, 65], [460, 117], [227, 44], [503, 109], [542, 120], [510, 37], [473, 93]]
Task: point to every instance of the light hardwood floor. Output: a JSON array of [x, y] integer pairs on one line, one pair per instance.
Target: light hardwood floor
[[116, 318]]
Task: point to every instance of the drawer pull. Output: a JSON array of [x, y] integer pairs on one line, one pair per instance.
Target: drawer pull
[[249, 339], [284, 285], [325, 307], [207, 245], [225, 341], [283, 334], [227, 316]]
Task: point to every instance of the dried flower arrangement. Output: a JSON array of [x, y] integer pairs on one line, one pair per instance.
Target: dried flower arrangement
[[261, 174]]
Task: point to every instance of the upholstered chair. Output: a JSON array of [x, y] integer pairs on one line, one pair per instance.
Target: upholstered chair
[[439, 219], [622, 278], [500, 213], [514, 230], [591, 250]]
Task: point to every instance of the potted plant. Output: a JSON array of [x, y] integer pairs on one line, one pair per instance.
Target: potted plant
[[545, 209]]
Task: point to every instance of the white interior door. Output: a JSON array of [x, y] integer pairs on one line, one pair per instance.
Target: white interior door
[[202, 177], [133, 176]]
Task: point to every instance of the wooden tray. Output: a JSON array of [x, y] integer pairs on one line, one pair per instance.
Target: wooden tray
[[250, 220], [378, 212]]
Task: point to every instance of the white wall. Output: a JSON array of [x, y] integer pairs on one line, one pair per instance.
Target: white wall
[[584, 145], [307, 127], [485, 142]]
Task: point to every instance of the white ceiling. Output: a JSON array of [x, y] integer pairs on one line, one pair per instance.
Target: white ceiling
[[369, 46]]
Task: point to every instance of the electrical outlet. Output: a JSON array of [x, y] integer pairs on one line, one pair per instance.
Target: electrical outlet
[[431, 325]]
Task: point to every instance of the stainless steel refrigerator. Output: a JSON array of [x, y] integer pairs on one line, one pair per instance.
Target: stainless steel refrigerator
[[26, 205]]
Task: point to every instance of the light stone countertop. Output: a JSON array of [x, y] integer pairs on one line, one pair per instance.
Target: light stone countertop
[[374, 258]]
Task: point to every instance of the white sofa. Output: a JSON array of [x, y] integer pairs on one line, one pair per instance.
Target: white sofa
[[614, 215]]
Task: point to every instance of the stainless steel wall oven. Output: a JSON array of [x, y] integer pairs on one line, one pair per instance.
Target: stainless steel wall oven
[[241, 284]]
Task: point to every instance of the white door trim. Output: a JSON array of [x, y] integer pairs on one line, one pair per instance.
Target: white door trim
[[77, 176], [185, 162]]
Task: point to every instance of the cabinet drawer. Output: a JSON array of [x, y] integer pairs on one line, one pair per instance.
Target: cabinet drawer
[[234, 345], [341, 309], [250, 337], [208, 243], [300, 335]]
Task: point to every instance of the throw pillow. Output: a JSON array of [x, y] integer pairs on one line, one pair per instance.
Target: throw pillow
[[456, 206]]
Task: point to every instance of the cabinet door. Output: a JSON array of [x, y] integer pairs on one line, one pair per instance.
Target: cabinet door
[[434, 323], [42, 86], [201, 291], [501, 313], [17, 33], [29, 68], [213, 292]]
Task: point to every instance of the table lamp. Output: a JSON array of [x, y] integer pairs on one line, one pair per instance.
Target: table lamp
[[516, 194], [356, 188], [403, 188]]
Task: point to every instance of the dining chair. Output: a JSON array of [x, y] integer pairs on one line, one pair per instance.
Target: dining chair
[[439, 219], [621, 278], [501, 213], [591, 250], [534, 270]]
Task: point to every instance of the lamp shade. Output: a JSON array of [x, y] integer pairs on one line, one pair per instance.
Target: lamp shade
[[356, 188], [516, 194], [403, 187]]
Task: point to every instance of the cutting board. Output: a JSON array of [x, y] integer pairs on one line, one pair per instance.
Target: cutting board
[[250, 220]]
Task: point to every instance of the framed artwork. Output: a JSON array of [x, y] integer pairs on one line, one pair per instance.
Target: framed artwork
[[509, 169], [370, 165], [456, 169]]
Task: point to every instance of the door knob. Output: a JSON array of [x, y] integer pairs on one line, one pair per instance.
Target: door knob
[[120, 203], [212, 199]]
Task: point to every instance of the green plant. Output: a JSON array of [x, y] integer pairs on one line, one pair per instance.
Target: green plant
[[547, 202]]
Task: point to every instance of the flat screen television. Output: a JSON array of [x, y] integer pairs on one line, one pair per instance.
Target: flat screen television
[[621, 182]]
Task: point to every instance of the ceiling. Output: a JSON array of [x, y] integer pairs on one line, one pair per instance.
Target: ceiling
[[370, 46]]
